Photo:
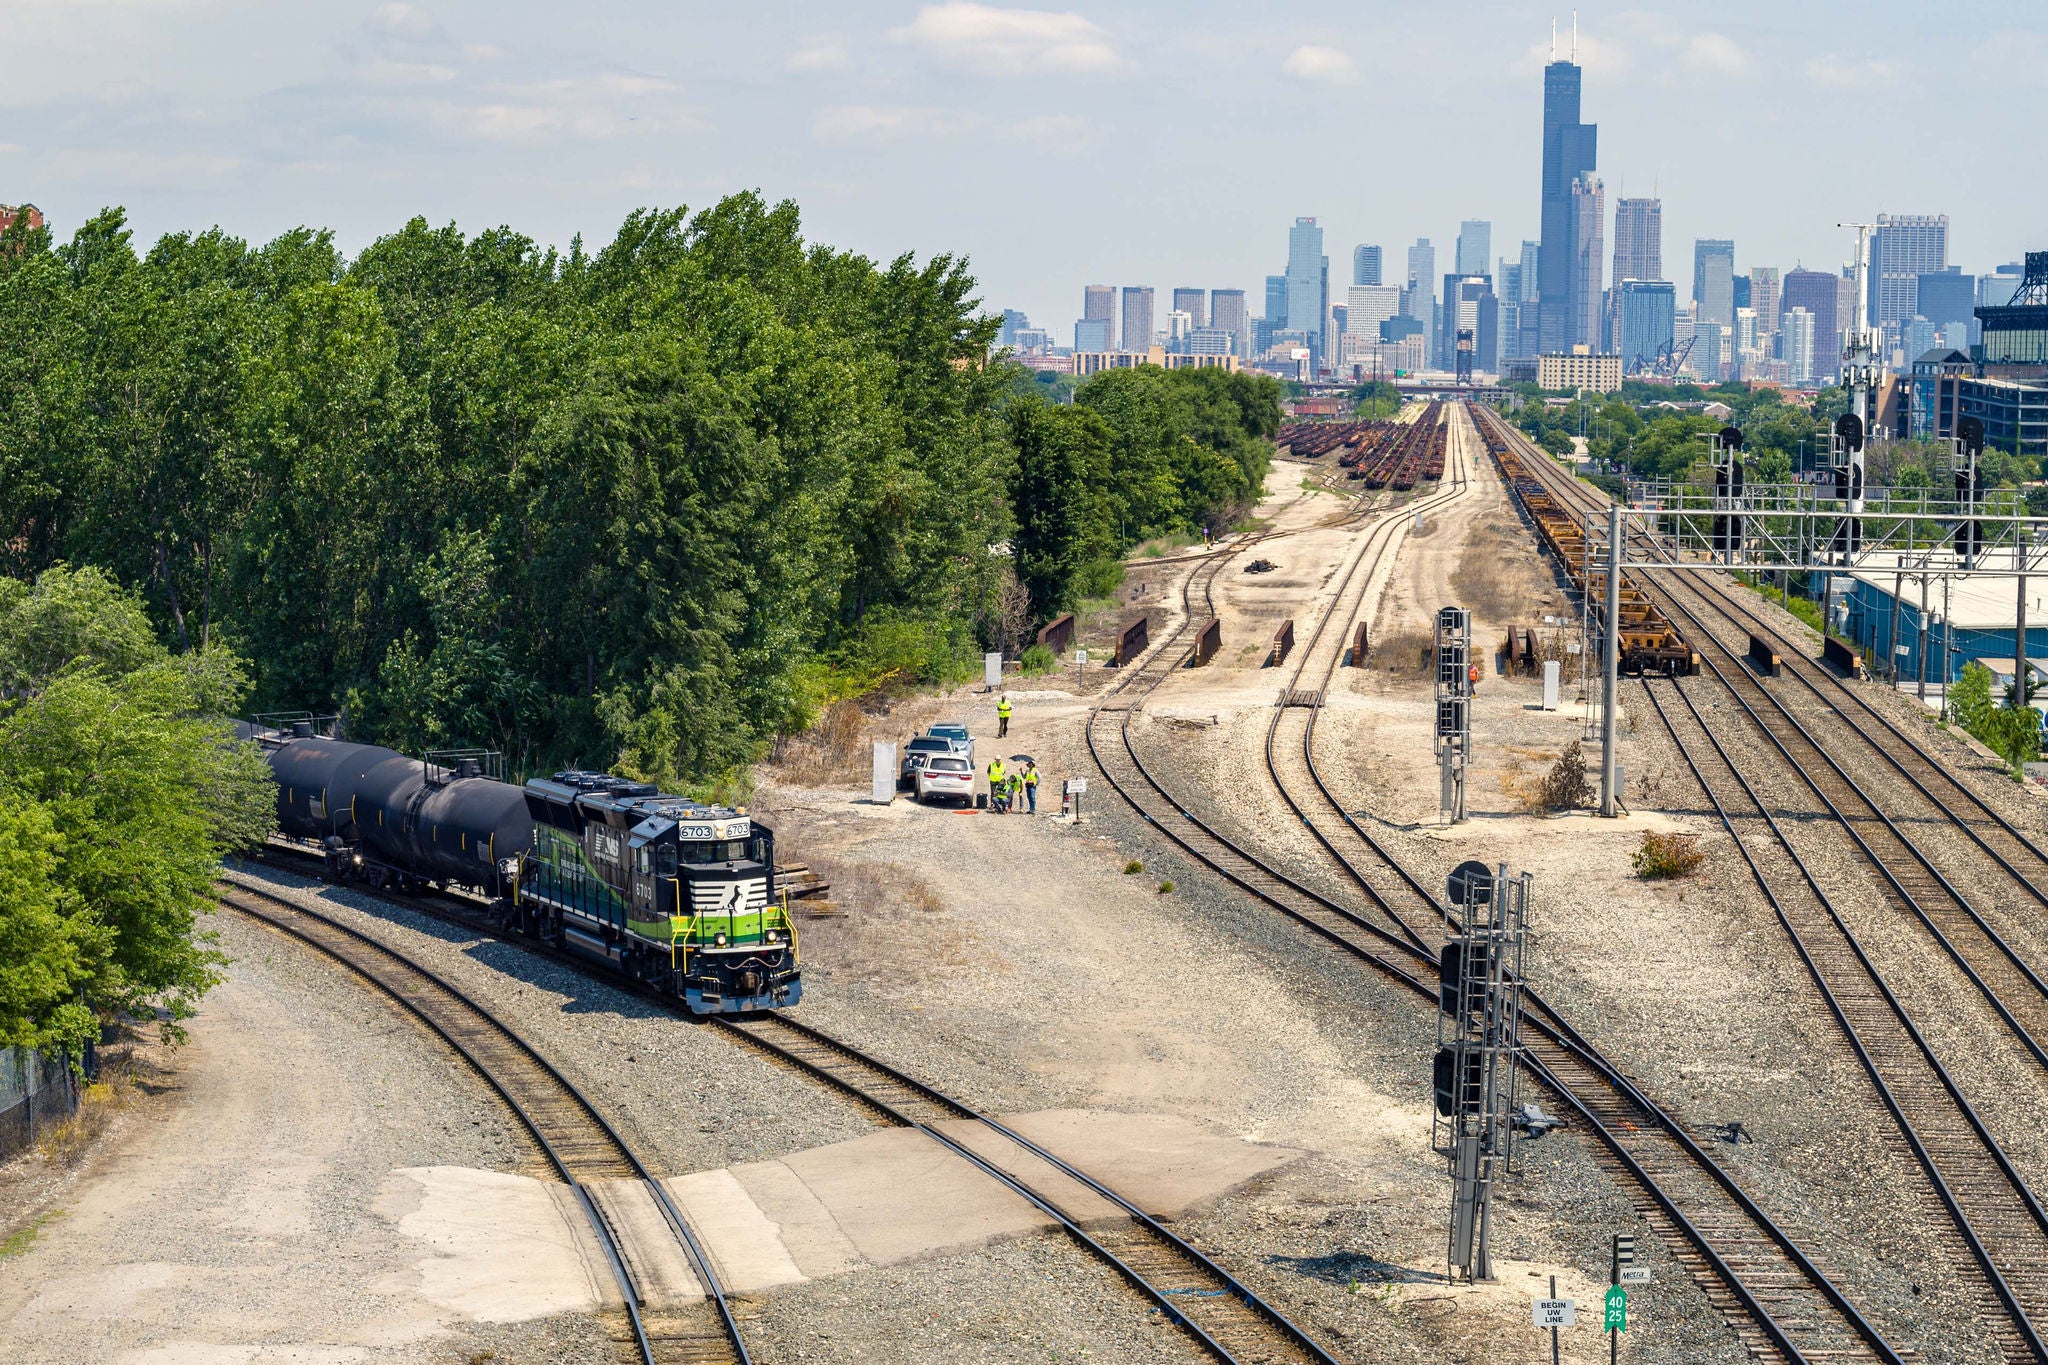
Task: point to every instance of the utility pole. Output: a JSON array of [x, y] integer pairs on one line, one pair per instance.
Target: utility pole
[[1611, 681], [1923, 635]]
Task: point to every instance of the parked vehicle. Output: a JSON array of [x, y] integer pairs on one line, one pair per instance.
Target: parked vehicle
[[946, 776], [956, 732], [916, 753]]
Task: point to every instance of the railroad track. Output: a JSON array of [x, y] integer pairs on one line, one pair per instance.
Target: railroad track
[[1779, 1302], [1995, 1220], [582, 1147], [1229, 1321], [1226, 1319], [2000, 1222]]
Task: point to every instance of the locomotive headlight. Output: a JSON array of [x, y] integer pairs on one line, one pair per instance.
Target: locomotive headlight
[[718, 940]]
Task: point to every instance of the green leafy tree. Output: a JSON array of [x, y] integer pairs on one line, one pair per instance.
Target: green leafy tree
[[1063, 520]]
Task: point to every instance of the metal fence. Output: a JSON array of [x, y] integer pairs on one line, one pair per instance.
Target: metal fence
[[35, 1090]]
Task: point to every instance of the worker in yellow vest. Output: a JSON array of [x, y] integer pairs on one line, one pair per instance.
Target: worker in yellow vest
[[1003, 717], [1031, 785], [998, 786]]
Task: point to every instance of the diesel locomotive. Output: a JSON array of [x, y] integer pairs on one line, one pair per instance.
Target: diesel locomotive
[[667, 890]]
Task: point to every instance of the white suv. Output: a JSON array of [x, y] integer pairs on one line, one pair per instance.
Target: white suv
[[943, 775]]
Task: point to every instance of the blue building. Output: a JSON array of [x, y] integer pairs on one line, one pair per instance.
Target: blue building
[[1644, 312], [1975, 619]]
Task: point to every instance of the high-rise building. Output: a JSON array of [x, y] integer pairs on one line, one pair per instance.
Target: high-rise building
[[1569, 152], [1469, 308], [1193, 302], [1098, 304], [1586, 221], [1226, 314], [1764, 291], [1947, 296], [1638, 239], [1419, 300], [1306, 310], [1819, 292], [1137, 335], [1475, 246], [1365, 265], [1795, 344], [1709, 346], [1276, 301], [1366, 306], [1644, 310], [1903, 247], [1713, 279], [1013, 322]]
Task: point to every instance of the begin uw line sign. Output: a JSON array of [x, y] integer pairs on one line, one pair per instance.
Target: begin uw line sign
[[1556, 1313]]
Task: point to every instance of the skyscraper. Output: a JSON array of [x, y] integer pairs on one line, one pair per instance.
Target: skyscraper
[[1226, 314], [1569, 152], [1475, 246], [1137, 318], [1586, 224], [1305, 281], [1276, 301], [1713, 279], [1903, 247], [1014, 322], [1795, 345], [1644, 312], [1098, 307], [1819, 293], [1365, 265], [1638, 239], [1190, 301], [1764, 290], [1947, 296], [1418, 299]]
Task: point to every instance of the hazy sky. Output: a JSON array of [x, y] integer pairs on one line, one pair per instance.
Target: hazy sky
[[1167, 143]]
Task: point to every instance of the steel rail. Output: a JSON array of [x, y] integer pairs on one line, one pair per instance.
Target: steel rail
[[752, 1029], [564, 1167], [1986, 1147], [1642, 1116], [1213, 1282], [1804, 670], [1974, 1241]]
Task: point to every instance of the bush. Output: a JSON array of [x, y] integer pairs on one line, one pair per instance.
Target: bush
[[1664, 856], [1165, 888], [1566, 786], [1133, 868], [1037, 661]]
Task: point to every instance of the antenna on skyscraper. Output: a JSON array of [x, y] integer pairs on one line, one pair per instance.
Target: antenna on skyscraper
[[1553, 37], [1575, 37]]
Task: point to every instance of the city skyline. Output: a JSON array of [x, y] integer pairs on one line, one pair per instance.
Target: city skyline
[[923, 127]]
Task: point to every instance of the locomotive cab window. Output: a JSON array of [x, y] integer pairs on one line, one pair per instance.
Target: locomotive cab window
[[641, 862], [665, 860]]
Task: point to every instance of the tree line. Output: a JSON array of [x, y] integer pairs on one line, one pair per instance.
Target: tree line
[[642, 508]]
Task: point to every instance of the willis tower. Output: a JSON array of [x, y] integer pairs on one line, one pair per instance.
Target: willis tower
[[1568, 159]]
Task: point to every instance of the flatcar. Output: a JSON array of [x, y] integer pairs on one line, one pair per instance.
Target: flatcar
[[664, 889]]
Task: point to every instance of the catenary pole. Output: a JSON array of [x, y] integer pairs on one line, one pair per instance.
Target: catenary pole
[[1611, 682]]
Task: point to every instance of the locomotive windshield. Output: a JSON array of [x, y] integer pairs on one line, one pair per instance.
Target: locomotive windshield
[[697, 851]]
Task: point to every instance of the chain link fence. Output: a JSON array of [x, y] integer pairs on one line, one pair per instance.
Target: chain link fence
[[35, 1091]]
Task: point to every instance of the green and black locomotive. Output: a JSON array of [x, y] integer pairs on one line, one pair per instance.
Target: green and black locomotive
[[669, 891]]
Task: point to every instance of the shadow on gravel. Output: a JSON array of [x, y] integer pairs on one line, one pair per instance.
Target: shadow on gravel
[[1348, 1267], [584, 996]]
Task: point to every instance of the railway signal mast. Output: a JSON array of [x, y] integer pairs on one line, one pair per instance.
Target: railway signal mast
[[1862, 374], [1478, 1041], [1454, 683]]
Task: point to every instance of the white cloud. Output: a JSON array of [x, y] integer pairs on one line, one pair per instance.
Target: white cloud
[[1839, 71], [1009, 42], [1714, 54], [822, 54], [607, 104], [884, 122], [1312, 63]]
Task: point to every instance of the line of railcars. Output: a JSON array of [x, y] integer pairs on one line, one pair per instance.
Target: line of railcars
[[664, 889], [1650, 643]]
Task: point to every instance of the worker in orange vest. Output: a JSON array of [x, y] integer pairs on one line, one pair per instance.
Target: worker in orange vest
[[1472, 676]]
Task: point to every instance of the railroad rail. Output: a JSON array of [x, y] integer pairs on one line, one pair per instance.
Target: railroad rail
[[2001, 1223], [585, 1151], [1781, 1305], [1229, 1321]]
